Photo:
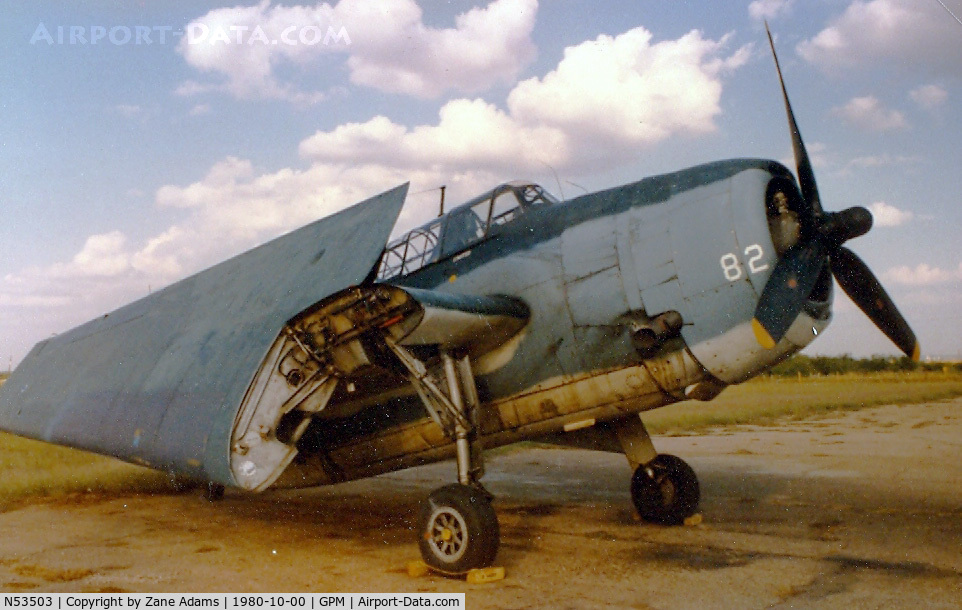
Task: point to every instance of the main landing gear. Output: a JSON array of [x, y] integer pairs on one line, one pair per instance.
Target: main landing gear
[[457, 527], [664, 488]]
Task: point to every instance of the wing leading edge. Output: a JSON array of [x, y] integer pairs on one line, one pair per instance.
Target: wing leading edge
[[160, 381]]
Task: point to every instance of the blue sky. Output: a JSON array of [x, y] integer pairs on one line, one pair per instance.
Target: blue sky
[[126, 166]]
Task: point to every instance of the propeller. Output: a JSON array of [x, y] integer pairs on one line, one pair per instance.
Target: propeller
[[820, 244]]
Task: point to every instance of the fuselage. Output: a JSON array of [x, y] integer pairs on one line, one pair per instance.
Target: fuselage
[[601, 275], [304, 361]]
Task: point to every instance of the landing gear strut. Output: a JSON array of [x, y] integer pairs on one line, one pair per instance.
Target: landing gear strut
[[458, 529], [664, 488]]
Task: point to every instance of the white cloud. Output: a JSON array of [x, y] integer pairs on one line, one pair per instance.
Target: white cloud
[[881, 160], [768, 9], [868, 113], [41, 299], [923, 275], [488, 45], [903, 34], [645, 91], [469, 133], [199, 109], [929, 97], [102, 255], [387, 44], [233, 208], [885, 215], [162, 257]]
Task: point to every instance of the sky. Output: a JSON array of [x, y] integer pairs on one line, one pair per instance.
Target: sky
[[141, 142]]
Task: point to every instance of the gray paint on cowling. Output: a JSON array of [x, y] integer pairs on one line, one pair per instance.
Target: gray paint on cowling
[[714, 303], [672, 253], [160, 381], [695, 250], [751, 227]]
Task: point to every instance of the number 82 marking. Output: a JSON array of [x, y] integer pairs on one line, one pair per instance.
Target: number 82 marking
[[732, 268]]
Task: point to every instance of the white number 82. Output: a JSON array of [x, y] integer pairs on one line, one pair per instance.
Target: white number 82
[[732, 268]]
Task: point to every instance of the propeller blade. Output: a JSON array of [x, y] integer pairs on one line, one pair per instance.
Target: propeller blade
[[839, 227], [786, 291], [860, 284], [806, 176]]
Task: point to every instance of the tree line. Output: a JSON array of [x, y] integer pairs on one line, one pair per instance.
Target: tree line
[[805, 366]]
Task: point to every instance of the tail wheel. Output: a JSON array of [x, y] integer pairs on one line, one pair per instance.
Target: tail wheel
[[665, 490], [458, 529], [182, 484], [213, 492]]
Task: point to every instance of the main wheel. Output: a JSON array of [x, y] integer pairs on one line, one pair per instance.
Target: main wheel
[[458, 529], [665, 490]]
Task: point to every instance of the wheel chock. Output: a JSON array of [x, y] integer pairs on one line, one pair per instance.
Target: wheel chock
[[482, 576], [417, 569], [479, 576], [693, 520]]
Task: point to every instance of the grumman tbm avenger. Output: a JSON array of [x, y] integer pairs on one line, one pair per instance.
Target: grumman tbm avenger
[[325, 356]]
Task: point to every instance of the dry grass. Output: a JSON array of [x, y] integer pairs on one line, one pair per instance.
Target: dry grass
[[768, 400], [33, 469]]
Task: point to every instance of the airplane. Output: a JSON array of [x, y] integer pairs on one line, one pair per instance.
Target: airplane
[[328, 354]]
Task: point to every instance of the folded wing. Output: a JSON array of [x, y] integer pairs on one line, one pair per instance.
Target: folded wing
[[161, 381]]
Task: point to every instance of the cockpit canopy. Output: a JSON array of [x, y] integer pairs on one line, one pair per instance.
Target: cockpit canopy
[[463, 226]]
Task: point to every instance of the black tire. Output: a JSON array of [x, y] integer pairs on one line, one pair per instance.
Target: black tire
[[213, 492], [458, 529], [668, 497]]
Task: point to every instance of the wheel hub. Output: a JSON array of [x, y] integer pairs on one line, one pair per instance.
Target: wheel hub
[[447, 536]]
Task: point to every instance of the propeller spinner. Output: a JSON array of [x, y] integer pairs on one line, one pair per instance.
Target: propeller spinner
[[820, 244]]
